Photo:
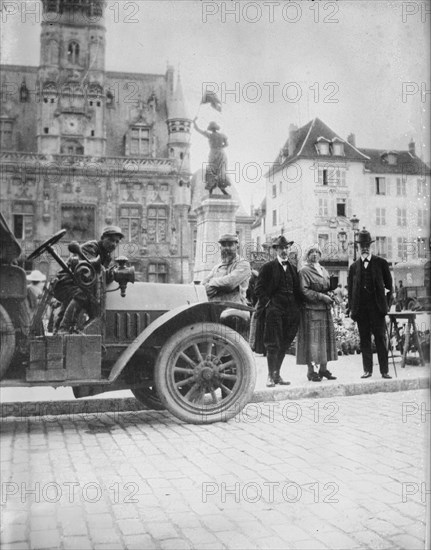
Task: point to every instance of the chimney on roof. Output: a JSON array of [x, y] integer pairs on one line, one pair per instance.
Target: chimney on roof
[[351, 139], [412, 147]]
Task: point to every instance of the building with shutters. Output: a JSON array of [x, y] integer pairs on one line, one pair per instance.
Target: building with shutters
[[320, 183]]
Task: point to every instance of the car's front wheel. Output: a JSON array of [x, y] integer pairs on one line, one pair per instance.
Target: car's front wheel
[[205, 373]]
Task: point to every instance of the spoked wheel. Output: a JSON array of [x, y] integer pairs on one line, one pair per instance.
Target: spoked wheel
[[205, 373], [149, 397], [7, 341]]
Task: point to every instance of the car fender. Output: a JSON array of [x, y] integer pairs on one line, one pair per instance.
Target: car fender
[[171, 321]]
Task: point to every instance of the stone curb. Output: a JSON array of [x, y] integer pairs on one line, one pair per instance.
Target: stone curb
[[129, 404], [328, 389]]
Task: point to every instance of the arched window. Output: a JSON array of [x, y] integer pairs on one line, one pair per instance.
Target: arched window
[[73, 53]]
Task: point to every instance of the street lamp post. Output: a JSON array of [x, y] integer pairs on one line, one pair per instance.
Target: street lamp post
[[355, 226], [342, 237]]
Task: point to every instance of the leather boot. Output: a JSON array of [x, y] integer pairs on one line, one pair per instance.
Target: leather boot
[[312, 375], [70, 317], [277, 378], [271, 357]]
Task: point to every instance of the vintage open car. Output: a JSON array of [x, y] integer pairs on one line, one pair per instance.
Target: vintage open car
[[165, 342]]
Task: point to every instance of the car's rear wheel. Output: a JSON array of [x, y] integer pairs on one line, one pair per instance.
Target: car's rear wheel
[[7, 341], [205, 373], [148, 397]]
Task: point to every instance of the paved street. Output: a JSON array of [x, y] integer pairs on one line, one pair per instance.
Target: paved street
[[345, 472]]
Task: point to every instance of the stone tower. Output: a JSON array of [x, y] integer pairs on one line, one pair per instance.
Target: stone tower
[[179, 124], [71, 78], [179, 134]]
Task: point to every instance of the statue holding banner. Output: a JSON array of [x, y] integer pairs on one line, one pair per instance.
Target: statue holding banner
[[215, 174]]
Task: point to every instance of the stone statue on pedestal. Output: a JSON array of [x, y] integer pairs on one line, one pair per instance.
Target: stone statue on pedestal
[[215, 174]]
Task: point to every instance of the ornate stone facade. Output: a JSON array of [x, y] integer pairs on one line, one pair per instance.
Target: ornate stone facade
[[83, 147]]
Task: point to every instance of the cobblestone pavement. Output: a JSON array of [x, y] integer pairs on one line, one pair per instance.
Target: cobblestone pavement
[[346, 472]]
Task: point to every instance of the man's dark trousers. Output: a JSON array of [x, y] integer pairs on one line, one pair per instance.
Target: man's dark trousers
[[370, 320], [280, 331]]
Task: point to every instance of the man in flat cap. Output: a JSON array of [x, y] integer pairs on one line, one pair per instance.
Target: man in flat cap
[[370, 292], [277, 314], [73, 298], [228, 280]]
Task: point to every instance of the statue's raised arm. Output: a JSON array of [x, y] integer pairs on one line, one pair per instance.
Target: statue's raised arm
[[196, 127]]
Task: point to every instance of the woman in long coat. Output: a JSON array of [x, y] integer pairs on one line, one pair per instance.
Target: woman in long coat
[[316, 336]]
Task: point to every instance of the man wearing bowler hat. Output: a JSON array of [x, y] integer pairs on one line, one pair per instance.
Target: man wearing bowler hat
[[72, 297], [277, 314], [370, 292], [228, 280]]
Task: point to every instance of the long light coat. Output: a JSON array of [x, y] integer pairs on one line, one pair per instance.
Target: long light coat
[[316, 335]]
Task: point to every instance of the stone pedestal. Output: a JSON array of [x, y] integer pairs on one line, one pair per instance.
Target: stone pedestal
[[215, 216]]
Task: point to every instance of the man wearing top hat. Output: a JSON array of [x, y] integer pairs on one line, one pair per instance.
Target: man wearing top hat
[[277, 314], [228, 280], [73, 298], [370, 292]]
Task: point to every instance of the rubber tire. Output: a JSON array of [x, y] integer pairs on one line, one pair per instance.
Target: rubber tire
[[149, 398], [7, 341], [222, 337]]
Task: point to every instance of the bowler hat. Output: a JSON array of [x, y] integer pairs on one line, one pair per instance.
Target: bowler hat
[[364, 237], [228, 238], [281, 241], [112, 230], [36, 276]]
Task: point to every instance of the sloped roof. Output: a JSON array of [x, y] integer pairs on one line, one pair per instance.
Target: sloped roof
[[304, 145], [407, 163]]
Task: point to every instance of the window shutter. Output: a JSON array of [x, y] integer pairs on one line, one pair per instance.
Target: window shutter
[[331, 207], [372, 185], [389, 248], [349, 208], [388, 186]]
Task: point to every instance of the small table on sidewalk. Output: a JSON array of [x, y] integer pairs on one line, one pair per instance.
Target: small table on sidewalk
[[411, 324]]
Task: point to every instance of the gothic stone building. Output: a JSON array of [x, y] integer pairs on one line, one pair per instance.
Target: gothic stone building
[[83, 147]]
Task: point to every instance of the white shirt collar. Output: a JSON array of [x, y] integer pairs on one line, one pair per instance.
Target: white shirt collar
[[363, 256], [280, 261]]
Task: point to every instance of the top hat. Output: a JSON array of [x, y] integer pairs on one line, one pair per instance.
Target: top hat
[[213, 126], [364, 237], [36, 276], [228, 238], [112, 230], [281, 241]]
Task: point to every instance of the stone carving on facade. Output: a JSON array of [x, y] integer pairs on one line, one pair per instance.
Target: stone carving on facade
[[142, 113], [109, 218], [46, 216], [25, 189]]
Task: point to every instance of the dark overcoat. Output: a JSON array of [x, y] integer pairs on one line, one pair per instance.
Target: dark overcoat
[[382, 280], [267, 285]]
